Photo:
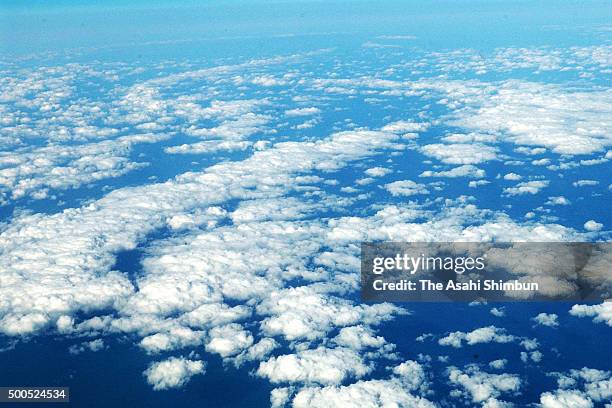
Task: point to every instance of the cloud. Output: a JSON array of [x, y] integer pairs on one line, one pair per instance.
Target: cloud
[[527, 187], [403, 126], [408, 378], [35, 171], [93, 345], [564, 398], [302, 112], [174, 338], [482, 335], [208, 147], [498, 312], [593, 226], [377, 171], [173, 372], [586, 387], [547, 319], [406, 188], [600, 313], [248, 267], [481, 387], [559, 200], [320, 366], [535, 114], [582, 183], [460, 153], [79, 243], [228, 340], [498, 364], [466, 170], [513, 177], [535, 356]]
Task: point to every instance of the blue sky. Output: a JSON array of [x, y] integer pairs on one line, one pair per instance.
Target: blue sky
[[184, 188], [439, 24]]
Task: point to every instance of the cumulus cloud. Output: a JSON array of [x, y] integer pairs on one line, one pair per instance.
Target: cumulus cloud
[[302, 112], [513, 177], [582, 183], [377, 171], [481, 387], [320, 366], [558, 200], [460, 153], [241, 231], [93, 345], [466, 170], [586, 387], [403, 126], [173, 372], [406, 188], [79, 242], [527, 187], [498, 312], [408, 378], [593, 226], [547, 319], [482, 335], [535, 114], [36, 171], [599, 313], [228, 340], [498, 364]]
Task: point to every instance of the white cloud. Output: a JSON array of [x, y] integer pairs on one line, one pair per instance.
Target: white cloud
[[498, 312], [478, 183], [59, 267], [535, 356], [403, 126], [513, 177], [600, 313], [77, 244], [534, 114], [527, 187], [460, 153], [480, 387], [466, 170], [593, 226], [582, 183], [279, 397], [93, 345], [321, 366], [482, 335], [547, 319], [377, 172], [408, 378], [358, 337], [228, 340], [302, 112], [173, 372], [558, 200], [208, 147], [406, 188], [35, 171], [565, 399], [174, 338], [586, 387], [498, 364]]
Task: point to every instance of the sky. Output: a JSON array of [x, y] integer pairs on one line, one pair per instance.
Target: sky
[[184, 188]]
